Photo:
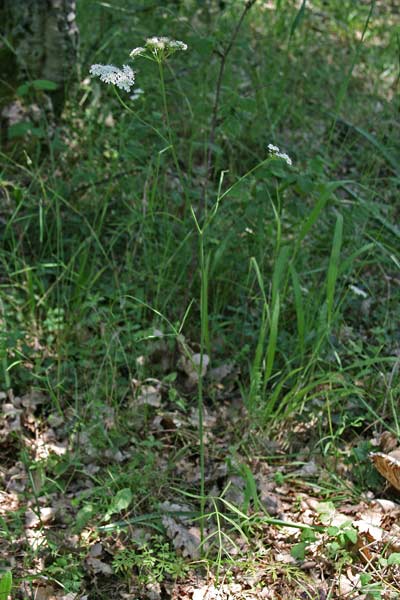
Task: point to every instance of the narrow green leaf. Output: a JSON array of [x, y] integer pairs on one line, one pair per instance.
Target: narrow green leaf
[[272, 341], [256, 268], [298, 302], [334, 266], [280, 270], [5, 585], [250, 492], [298, 18], [325, 194]]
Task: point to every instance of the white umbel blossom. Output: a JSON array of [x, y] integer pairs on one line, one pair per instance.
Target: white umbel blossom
[[123, 78], [276, 151], [158, 48], [165, 43]]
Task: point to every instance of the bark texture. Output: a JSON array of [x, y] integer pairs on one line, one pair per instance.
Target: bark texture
[[41, 42]]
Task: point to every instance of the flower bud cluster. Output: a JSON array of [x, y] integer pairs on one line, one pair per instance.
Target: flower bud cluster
[[276, 152]]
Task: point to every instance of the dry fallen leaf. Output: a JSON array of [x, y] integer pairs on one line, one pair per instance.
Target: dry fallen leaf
[[98, 566], [185, 540], [150, 395], [191, 366], [219, 373], [388, 466]]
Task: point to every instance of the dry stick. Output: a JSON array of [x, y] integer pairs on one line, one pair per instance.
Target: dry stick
[[224, 56]]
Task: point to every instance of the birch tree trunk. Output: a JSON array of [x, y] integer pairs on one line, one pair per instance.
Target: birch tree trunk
[[40, 41]]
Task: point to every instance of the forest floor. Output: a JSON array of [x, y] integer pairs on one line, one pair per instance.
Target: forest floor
[[282, 521]]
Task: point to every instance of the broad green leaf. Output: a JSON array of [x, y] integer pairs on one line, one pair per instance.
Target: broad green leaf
[[250, 492], [45, 85], [21, 129], [394, 559], [272, 341], [308, 535], [83, 516], [38, 84], [122, 500], [351, 535], [326, 192], [280, 270], [332, 530], [22, 90], [298, 551]]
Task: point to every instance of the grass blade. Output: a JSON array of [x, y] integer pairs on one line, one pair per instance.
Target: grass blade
[[298, 302], [5, 585], [298, 19], [334, 266], [272, 341]]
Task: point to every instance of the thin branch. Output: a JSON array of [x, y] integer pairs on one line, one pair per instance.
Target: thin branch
[[224, 55]]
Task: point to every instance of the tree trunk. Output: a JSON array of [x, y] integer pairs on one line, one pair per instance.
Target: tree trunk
[[40, 41]]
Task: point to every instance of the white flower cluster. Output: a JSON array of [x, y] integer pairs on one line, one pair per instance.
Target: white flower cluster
[[164, 43], [156, 48], [123, 78], [163, 46], [276, 151]]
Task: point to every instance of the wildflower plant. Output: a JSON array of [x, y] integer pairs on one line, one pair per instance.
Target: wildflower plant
[[158, 49]]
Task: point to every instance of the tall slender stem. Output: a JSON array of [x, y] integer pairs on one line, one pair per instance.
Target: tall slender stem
[[204, 325], [169, 129]]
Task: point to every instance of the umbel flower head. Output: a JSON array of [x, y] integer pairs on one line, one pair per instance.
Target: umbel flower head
[[158, 48], [276, 152], [123, 78]]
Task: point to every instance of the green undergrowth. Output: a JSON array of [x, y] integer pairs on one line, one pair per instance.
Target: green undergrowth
[[101, 275]]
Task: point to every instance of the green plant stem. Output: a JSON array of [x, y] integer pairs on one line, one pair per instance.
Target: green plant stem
[[203, 338], [204, 343], [169, 130], [142, 121]]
